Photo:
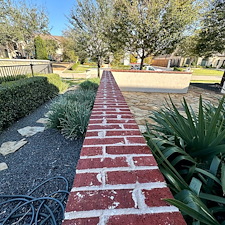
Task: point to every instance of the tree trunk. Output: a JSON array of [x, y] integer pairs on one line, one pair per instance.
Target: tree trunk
[[142, 62], [223, 79], [142, 59], [99, 68]]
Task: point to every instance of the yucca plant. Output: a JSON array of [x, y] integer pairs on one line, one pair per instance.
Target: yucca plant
[[195, 174], [198, 192], [203, 133]]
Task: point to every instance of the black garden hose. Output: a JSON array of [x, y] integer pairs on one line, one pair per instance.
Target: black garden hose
[[32, 210]]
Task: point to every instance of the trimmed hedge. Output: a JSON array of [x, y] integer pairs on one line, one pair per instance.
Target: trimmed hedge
[[11, 78], [19, 98], [56, 80]]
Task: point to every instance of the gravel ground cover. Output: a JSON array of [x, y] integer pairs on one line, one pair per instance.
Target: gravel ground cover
[[47, 154]]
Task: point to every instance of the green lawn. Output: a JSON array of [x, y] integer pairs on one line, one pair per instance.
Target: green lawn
[[77, 81], [80, 69], [206, 72], [74, 81], [205, 81]]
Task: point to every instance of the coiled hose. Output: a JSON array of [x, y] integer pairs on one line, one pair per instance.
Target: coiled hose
[[30, 209]]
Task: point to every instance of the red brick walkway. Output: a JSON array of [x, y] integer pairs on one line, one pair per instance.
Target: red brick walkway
[[117, 179]]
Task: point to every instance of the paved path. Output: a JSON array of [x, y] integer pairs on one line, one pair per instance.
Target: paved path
[[143, 104]]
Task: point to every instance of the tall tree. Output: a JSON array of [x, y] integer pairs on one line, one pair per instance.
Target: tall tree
[[88, 22], [188, 48], [21, 22], [212, 35], [40, 48], [72, 50], [152, 27], [51, 47]]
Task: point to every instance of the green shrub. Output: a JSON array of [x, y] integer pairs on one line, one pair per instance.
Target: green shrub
[[88, 85], [71, 112], [11, 78], [74, 66], [203, 132], [81, 95], [190, 151], [120, 67], [177, 69], [60, 107], [74, 123], [19, 98], [56, 80], [40, 48]]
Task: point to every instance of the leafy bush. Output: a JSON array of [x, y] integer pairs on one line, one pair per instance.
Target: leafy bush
[[75, 122], [121, 67], [40, 48], [11, 78], [177, 69], [71, 112], [56, 80], [19, 98], [189, 149], [74, 66], [90, 64], [89, 85]]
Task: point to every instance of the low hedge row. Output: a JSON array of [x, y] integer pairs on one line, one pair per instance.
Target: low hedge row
[[54, 79], [19, 98]]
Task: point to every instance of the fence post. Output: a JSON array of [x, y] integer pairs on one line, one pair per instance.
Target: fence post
[[51, 68], [32, 70]]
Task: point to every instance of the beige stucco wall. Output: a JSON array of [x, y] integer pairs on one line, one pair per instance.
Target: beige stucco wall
[[169, 82]]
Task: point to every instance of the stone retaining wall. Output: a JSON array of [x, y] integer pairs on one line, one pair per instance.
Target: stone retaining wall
[[117, 180]]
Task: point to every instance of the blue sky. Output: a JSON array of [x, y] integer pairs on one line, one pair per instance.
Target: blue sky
[[57, 11]]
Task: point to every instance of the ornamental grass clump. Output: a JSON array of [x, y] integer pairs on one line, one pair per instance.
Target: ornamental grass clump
[[70, 113], [190, 148]]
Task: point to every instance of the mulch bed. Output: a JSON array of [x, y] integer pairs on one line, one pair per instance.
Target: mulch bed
[[46, 155]]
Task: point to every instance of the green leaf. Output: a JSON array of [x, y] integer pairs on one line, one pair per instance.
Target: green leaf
[[204, 172], [213, 170], [223, 177], [212, 198], [204, 218], [195, 185]]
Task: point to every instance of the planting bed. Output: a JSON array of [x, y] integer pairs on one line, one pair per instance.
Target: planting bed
[[46, 154]]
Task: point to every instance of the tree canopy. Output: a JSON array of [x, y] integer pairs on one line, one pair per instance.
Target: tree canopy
[[40, 48], [152, 27], [143, 27], [212, 35], [88, 22], [21, 22]]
